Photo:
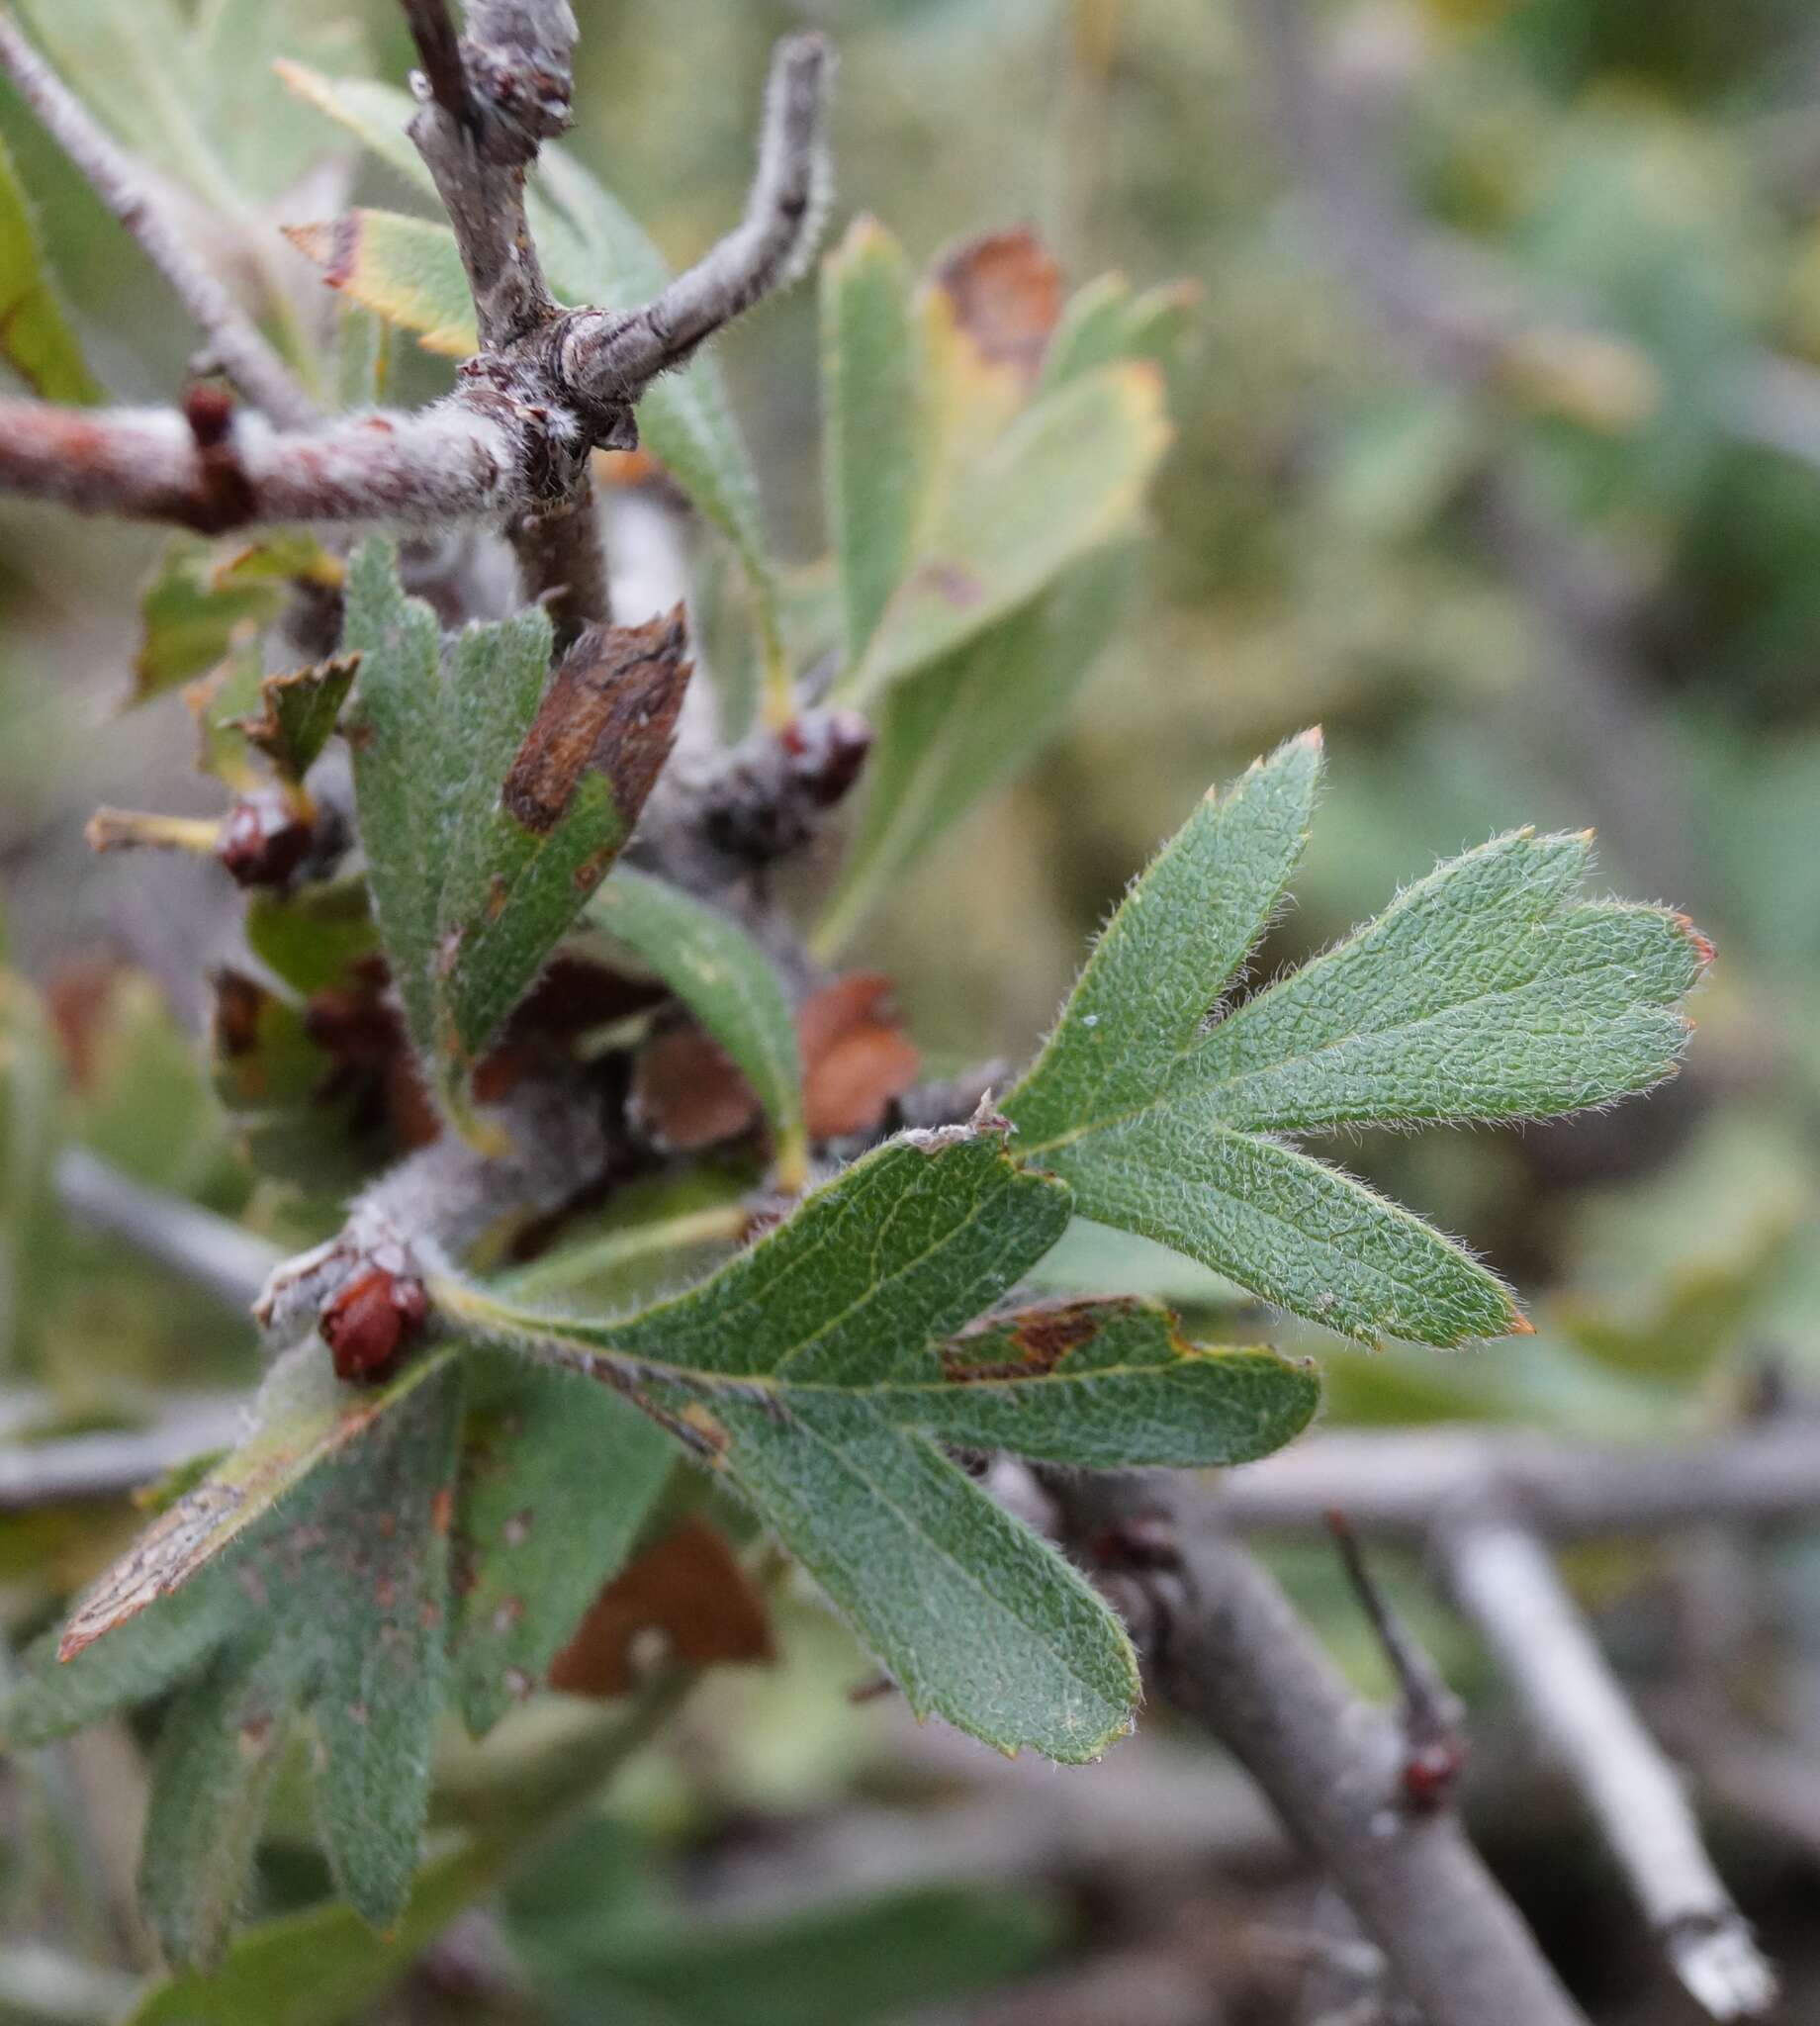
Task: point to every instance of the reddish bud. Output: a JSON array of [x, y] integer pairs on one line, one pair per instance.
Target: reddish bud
[[1429, 1772], [208, 409], [368, 1320], [263, 841], [827, 750]]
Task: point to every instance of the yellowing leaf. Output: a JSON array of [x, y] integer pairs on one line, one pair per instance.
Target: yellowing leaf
[[403, 269]]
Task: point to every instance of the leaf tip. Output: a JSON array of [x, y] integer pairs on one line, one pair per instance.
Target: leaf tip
[[1703, 951], [1521, 1324]]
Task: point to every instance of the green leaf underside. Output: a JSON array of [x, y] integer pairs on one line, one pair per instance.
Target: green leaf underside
[[969, 722], [1066, 478], [556, 1478], [1486, 991], [470, 901], [871, 393], [322, 1966], [812, 1368], [335, 1606], [35, 339], [594, 253], [724, 979], [327, 1590]]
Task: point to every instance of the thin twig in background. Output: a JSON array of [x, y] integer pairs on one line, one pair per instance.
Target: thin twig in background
[[1502, 1579], [208, 1250], [1404, 1481], [1225, 1646], [124, 186], [69, 1468]]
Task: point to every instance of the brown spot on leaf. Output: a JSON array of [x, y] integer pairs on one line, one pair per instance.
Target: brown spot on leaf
[[691, 1588], [1035, 1340], [611, 709], [332, 244], [1006, 288], [442, 1510]]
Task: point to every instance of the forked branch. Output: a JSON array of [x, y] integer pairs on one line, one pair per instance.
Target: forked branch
[[514, 438]]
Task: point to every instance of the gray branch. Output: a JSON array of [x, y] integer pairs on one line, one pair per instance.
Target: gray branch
[[124, 186], [767, 252], [1504, 1582], [112, 1465], [488, 104], [1404, 1482], [1226, 1647], [512, 444]]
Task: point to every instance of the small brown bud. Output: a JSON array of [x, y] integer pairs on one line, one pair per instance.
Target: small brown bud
[[368, 1320], [263, 841], [208, 409], [1429, 1772], [827, 750]]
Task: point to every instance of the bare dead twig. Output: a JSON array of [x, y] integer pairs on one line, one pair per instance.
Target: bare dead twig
[[462, 459], [1506, 1584], [127, 190], [489, 101], [1434, 1749], [1225, 1646], [487, 104]]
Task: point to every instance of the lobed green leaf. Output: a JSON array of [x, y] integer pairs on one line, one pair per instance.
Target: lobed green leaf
[[1486, 991], [815, 1372]]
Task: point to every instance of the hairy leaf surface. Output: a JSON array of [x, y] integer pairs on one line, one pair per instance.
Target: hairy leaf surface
[[491, 809], [811, 1371], [1486, 991]]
